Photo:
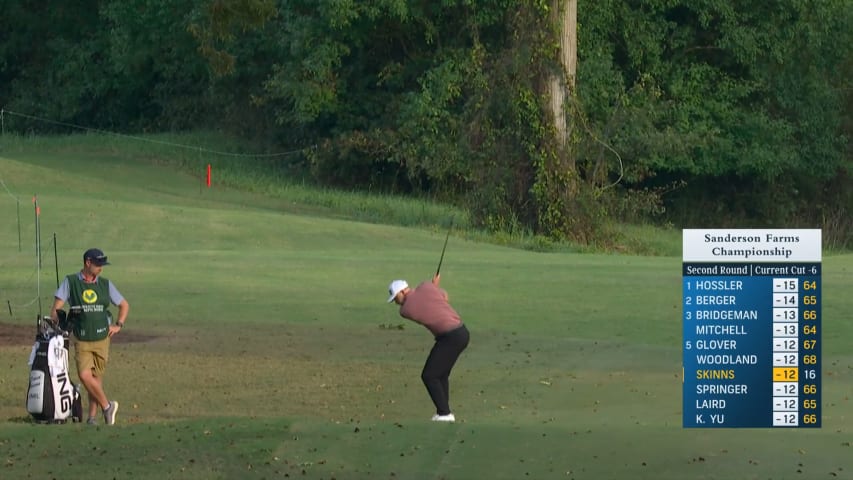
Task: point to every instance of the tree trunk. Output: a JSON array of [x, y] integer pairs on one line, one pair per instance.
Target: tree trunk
[[564, 209], [561, 85]]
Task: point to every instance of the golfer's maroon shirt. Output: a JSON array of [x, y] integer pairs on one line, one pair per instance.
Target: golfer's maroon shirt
[[427, 305]]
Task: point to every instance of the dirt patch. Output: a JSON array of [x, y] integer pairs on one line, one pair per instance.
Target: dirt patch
[[25, 335]]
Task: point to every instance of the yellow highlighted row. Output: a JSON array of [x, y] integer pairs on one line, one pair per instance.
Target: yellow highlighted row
[[780, 374]]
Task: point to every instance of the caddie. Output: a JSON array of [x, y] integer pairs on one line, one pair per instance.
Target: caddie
[[89, 296]]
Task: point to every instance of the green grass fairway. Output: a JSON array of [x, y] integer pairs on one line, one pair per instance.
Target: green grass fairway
[[263, 347]]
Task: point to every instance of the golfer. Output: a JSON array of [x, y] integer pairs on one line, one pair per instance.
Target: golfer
[[428, 305], [89, 295]]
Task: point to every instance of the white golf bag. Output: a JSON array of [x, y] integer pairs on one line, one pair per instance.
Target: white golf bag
[[52, 397]]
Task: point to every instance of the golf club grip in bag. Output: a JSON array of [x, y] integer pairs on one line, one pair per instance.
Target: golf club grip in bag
[[51, 396]]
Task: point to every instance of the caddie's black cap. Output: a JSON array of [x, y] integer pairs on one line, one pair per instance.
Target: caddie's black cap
[[96, 256]]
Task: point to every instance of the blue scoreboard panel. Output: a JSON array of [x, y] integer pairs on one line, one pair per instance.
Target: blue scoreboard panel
[[751, 322]]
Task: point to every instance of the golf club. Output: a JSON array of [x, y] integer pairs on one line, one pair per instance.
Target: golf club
[[437, 270]]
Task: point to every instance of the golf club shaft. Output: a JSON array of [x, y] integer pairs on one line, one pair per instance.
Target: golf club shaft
[[437, 270]]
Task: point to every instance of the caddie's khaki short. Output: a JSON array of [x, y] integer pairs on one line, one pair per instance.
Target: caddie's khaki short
[[92, 355]]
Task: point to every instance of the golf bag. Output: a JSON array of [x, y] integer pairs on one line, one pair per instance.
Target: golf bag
[[52, 397]]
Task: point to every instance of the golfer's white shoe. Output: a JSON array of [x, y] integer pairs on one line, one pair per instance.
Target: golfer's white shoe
[[443, 418], [110, 413]]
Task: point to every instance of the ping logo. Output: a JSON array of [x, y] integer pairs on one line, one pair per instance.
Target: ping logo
[[89, 296], [61, 384]]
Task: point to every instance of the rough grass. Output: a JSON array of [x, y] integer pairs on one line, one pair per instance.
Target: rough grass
[[271, 177]]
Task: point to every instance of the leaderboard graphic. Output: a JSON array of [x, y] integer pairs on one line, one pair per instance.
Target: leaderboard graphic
[[752, 328]]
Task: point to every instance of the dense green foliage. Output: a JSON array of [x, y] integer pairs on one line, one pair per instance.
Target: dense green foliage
[[714, 112]]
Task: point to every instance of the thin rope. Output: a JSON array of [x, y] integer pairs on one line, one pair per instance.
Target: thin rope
[[595, 137], [10, 259], [8, 191], [159, 142]]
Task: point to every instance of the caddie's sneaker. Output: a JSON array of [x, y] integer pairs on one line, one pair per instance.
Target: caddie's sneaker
[[110, 413], [443, 418], [91, 421]]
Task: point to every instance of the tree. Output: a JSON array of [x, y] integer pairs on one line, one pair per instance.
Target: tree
[[558, 187]]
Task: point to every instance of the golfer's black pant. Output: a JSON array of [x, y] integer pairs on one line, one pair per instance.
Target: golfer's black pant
[[442, 357]]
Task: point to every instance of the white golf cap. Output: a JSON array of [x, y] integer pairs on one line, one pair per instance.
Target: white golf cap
[[396, 287]]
